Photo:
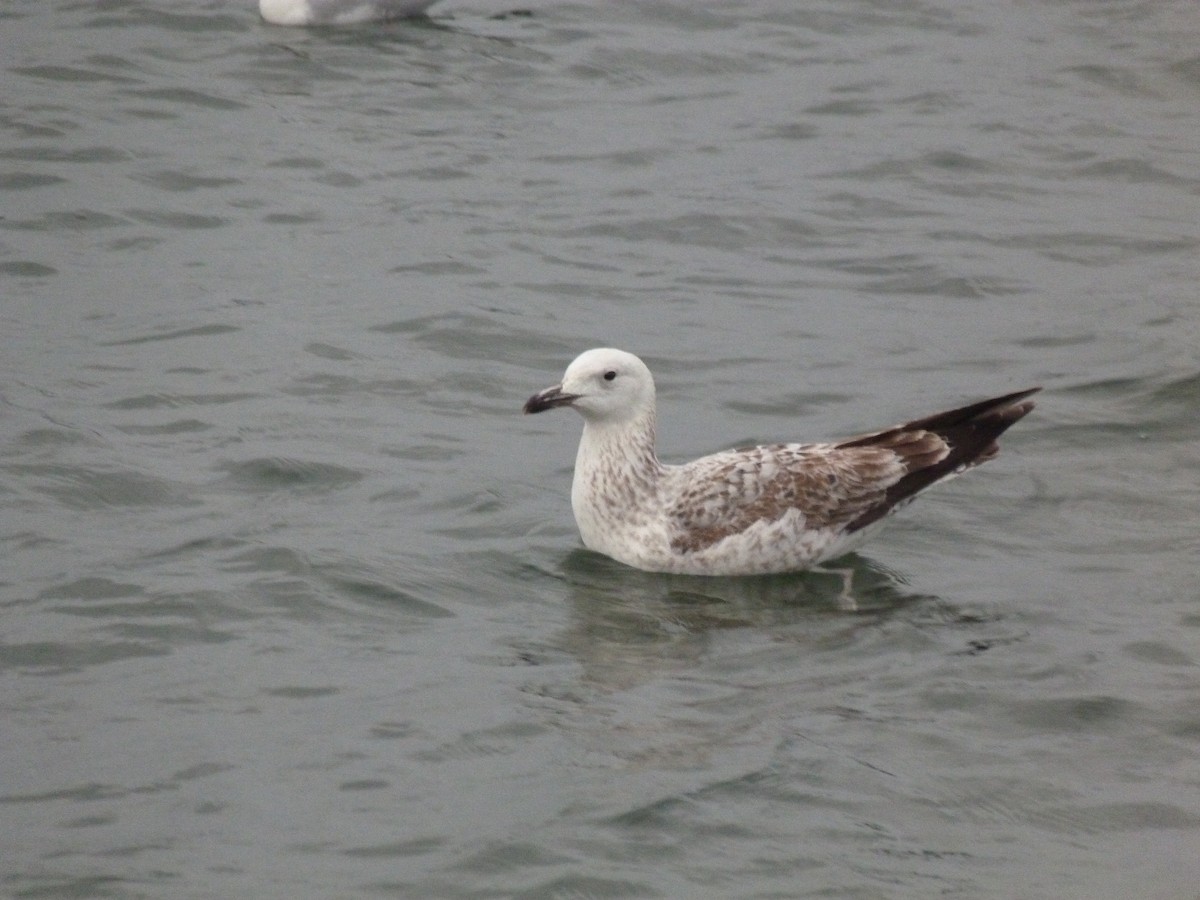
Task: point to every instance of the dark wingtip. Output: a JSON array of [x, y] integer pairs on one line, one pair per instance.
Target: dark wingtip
[[970, 434], [1014, 407]]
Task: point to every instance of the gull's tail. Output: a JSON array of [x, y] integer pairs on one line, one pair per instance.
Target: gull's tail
[[941, 446]]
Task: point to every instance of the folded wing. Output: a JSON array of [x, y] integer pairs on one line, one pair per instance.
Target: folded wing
[[842, 486]]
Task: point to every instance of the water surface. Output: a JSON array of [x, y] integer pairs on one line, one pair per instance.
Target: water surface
[[292, 602]]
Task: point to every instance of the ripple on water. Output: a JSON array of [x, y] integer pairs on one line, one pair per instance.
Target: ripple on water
[[195, 331], [157, 401], [280, 473], [58, 657], [93, 488], [26, 269]]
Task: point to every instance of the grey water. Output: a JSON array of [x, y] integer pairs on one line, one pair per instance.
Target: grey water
[[291, 599]]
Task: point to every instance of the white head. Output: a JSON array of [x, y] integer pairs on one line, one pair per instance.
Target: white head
[[603, 385]]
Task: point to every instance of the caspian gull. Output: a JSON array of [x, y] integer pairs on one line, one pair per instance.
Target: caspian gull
[[753, 511]]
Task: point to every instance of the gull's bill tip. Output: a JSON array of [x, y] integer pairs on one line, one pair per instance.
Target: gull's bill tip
[[549, 399]]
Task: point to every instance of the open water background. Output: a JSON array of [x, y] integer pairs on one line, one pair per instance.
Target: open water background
[[291, 603]]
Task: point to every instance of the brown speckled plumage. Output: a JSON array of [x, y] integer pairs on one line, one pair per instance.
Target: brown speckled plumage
[[771, 508]]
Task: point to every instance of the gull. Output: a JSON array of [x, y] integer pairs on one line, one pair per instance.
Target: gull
[[752, 511], [339, 12]]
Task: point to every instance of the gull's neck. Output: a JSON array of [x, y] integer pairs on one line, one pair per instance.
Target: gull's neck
[[626, 446], [616, 468]]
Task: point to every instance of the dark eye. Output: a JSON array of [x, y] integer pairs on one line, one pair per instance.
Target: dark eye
[[610, 375]]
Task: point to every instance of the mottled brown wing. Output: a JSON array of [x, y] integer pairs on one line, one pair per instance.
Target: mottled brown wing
[[729, 492], [843, 486]]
